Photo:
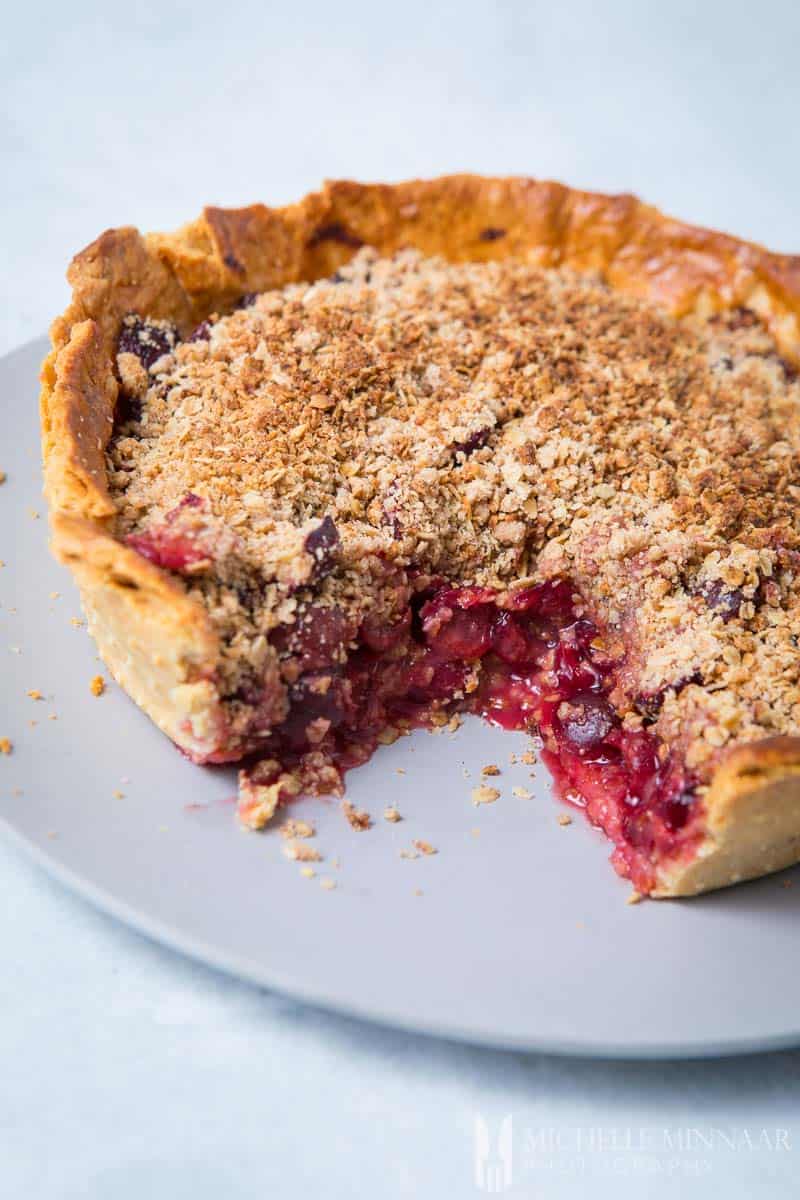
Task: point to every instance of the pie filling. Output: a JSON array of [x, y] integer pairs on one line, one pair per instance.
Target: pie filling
[[527, 660]]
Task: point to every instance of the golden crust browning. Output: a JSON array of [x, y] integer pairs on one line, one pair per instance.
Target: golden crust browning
[[158, 644], [157, 641], [752, 820]]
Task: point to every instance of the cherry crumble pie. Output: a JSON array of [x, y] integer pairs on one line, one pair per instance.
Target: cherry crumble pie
[[331, 472]]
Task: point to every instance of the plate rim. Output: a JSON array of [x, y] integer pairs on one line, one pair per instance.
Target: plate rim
[[169, 936]]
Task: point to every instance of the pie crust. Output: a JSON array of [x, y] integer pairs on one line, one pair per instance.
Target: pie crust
[[158, 642]]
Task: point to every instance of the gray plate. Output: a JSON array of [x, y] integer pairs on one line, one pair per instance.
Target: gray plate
[[520, 937]]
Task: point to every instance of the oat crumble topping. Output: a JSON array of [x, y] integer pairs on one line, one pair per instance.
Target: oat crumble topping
[[298, 852], [357, 819], [424, 847], [484, 795], [297, 829], [488, 423]]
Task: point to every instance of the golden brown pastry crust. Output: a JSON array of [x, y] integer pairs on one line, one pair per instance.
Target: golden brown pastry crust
[[158, 643]]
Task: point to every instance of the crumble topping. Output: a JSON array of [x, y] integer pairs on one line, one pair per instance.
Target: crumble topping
[[484, 795], [357, 819], [298, 852], [424, 847], [292, 828], [486, 423]]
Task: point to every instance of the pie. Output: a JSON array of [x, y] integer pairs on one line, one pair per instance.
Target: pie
[[330, 472]]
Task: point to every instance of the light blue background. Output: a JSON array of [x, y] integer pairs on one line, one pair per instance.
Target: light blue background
[[126, 1071]]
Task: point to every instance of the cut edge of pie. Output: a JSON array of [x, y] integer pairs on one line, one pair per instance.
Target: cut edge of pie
[[158, 642]]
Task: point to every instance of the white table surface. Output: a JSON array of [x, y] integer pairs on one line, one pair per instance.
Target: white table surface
[[126, 1071]]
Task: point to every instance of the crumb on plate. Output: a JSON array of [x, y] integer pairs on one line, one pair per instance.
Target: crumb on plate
[[358, 819]]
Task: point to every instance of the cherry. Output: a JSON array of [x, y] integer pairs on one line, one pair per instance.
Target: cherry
[[587, 722], [466, 634], [381, 637], [316, 639], [725, 601], [146, 339], [516, 642], [474, 442], [322, 543]]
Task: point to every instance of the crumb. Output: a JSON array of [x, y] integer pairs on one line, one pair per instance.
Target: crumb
[[77, 622], [529, 758], [512, 758], [35, 694], [118, 795], [521, 792], [634, 898], [297, 829], [97, 685], [564, 819], [52, 833], [33, 724], [358, 819], [418, 892], [465, 772], [455, 723], [475, 831], [327, 883], [409, 854], [424, 847], [3, 477], [55, 595], [484, 795], [307, 872], [490, 769], [300, 853], [33, 514], [391, 814], [400, 770], [52, 716], [17, 792], [6, 745]]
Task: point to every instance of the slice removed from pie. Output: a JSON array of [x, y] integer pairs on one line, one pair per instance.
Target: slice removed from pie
[[331, 472]]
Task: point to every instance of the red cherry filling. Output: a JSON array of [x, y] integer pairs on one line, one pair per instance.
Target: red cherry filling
[[527, 660], [176, 544]]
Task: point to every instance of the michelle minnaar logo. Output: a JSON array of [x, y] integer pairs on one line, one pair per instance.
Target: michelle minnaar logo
[[493, 1149]]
